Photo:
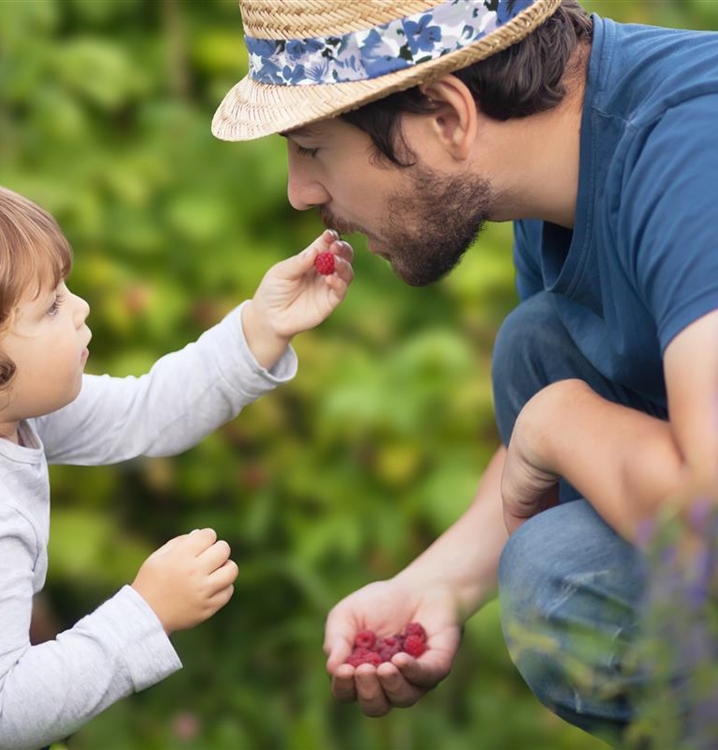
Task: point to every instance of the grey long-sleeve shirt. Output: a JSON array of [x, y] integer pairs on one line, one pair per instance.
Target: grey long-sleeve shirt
[[49, 690]]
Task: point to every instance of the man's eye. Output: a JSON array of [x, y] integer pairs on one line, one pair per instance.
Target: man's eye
[[306, 151]]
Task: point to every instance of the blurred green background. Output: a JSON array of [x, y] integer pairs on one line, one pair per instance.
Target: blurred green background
[[338, 479]]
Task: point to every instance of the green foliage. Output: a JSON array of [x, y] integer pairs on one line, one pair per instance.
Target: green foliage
[[337, 479]]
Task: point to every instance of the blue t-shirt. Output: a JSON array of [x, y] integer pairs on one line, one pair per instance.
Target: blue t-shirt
[[641, 263]]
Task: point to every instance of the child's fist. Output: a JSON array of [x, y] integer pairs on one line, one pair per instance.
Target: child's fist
[[188, 579]]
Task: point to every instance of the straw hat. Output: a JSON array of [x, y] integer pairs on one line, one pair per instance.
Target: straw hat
[[314, 59]]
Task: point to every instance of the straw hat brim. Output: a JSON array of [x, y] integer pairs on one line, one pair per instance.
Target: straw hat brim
[[253, 110]]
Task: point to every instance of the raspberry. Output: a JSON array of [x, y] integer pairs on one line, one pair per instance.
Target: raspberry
[[414, 645], [363, 656], [415, 628], [365, 639], [368, 649], [387, 647], [324, 263]]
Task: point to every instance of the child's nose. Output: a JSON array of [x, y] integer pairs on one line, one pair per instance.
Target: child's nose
[[82, 310]]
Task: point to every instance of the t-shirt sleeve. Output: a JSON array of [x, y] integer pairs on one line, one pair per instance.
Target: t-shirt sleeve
[[49, 690], [668, 216]]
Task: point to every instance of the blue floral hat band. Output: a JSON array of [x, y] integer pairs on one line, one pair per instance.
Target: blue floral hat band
[[311, 60], [370, 53]]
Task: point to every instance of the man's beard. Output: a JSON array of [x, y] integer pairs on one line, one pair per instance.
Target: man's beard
[[430, 225]]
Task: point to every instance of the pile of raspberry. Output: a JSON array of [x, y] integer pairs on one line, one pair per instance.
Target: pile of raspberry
[[368, 649]]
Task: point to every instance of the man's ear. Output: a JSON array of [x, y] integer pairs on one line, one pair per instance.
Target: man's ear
[[456, 117]]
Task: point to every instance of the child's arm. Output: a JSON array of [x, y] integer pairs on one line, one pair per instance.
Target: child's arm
[[49, 690], [190, 393]]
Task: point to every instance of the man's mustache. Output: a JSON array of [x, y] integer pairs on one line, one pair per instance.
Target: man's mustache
[[331, 221]]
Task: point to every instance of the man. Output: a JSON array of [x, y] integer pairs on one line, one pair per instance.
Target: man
[[414, 122]]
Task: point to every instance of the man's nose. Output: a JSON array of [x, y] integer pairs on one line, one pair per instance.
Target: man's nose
[[304, 190]]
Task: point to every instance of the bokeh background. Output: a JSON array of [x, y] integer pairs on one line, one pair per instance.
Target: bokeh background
[[339, 478]]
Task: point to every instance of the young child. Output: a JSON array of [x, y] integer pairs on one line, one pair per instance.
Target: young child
[[50, 412]]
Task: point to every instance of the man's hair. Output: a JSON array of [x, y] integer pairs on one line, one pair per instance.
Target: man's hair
[[522, 80], [33, 252]]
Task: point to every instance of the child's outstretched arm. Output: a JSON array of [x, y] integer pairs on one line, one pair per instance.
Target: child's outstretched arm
[[189, 393], [294, 297]]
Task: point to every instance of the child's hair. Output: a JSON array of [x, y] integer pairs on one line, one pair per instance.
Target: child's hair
[[33, 253]]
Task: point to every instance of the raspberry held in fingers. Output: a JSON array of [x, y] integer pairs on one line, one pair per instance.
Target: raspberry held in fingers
[[325, 263]]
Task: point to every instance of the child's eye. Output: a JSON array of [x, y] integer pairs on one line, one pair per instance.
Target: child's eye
[[55, 306], [310, 152]]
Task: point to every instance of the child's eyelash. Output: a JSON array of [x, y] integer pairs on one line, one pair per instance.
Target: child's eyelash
[[55, 306], [302, 151]]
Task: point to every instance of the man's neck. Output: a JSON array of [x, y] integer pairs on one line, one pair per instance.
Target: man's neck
[[544, 171]]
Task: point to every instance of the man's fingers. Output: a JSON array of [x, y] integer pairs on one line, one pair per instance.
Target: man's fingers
[[343, 687], [370, 693]]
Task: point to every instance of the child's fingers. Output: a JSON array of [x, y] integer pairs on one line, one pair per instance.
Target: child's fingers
[[343, 249], [343, 270], [224, 576], [172, 544], [320, 244], [199, 540], [221, 597], [215, 556]]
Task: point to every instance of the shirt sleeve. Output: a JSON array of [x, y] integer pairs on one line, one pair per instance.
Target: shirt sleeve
[[667, 215], [185, 396], [49, 690]]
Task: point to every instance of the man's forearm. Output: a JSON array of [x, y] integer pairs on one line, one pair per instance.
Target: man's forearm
[[466, 555], [624, 462]]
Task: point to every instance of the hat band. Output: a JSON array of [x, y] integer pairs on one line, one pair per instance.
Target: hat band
[[371, 53]]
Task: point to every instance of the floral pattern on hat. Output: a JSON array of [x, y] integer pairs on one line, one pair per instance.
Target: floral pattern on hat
[[396, 45]]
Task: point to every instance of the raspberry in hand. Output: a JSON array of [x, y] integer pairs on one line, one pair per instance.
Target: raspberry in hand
[[368, 649], [324, 263]]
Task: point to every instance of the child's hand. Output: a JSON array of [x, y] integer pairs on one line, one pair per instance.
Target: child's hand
[[187, 580], [294, 297]]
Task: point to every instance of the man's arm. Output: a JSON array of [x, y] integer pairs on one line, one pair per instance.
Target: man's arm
[[626, 463], [441, 588]]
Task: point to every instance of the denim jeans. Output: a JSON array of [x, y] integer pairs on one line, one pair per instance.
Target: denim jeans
[[569, 586]]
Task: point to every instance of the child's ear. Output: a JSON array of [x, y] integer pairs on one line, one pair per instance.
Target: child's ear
[[455, 120]]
